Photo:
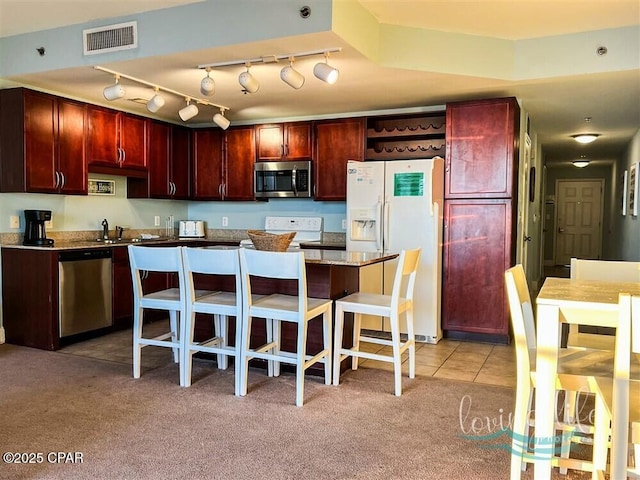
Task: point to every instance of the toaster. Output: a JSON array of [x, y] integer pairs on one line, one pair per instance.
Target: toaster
[[191, 229]]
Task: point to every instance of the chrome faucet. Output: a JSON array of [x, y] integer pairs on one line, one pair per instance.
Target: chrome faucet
[[105, 229]]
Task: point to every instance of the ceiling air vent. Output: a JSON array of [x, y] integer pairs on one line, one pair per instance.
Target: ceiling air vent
[[111, 38]]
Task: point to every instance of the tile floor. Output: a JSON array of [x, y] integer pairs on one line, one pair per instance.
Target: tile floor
[[473, 362]]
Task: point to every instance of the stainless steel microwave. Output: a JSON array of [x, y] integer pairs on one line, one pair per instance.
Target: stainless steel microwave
[[282, 179]]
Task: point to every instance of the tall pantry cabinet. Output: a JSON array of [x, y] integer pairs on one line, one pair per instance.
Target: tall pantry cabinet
[[479, 216]]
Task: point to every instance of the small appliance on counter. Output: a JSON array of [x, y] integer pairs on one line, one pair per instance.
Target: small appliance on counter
[[34, 232], [191, 229]]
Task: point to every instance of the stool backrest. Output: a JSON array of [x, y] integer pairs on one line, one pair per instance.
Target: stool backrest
[[522, 318], [275, 265], [607, 270], [210, 261], [405, 277], [154, 259]]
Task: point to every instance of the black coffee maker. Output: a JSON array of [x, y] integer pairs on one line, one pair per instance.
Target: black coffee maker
[[34, 232]]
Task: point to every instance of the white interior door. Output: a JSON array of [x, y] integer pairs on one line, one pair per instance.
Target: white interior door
[[578, 219]]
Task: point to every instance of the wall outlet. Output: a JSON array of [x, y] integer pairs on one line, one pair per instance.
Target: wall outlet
[[156, 221], [225, 221], [344, 223], [48, 224], [14, 221]]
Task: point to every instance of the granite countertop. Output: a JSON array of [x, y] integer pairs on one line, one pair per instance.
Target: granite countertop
[[346, 258]]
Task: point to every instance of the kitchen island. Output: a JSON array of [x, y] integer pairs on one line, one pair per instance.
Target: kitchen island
[[31, 282]]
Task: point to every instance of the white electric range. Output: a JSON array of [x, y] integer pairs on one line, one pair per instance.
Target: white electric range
[[308, 229]]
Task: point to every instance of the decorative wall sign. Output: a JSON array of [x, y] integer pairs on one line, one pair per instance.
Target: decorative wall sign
[[102, 187], [633, 189]]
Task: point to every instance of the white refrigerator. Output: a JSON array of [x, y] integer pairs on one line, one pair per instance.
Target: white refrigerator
[[396, 205]]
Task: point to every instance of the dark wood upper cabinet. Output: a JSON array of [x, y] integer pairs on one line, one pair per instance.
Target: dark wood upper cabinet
[[42, 146], [158, 157], [481, 147], [336, 142], [180, 165], [206, 153], [116, 139], [283, 141], [238, 163]]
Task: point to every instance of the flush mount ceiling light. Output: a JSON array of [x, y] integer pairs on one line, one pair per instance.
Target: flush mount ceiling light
[[207, 85], [585, 137], [248, 81], [115, 91], [188, 112], [291, 76], [326, 72], [220, 120], [156, 102], [583, 162]]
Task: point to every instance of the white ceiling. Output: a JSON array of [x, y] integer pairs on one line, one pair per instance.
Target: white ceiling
[[557, 106]]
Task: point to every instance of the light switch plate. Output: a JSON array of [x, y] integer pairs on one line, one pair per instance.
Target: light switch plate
[[14, 221]]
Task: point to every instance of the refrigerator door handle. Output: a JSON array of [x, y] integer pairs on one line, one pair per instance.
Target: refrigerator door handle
[[385, 238], [379, 225]]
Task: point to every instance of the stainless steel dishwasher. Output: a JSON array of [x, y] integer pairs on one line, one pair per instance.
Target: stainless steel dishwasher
[[84, 295]]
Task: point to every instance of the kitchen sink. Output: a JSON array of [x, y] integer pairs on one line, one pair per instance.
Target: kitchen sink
[[111, 241]]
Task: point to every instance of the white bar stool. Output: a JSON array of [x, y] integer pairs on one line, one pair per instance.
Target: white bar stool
[[221, 304], [391, 306], [277, 308], [157, 259]]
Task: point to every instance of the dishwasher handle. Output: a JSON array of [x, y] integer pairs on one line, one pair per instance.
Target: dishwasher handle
[[84, 254]]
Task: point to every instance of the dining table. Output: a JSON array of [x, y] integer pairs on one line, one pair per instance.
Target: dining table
[[584, 302]]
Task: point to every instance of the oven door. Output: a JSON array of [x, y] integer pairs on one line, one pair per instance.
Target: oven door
[[282, 179]]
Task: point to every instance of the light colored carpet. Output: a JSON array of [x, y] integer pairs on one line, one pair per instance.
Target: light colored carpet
[[151, 428]]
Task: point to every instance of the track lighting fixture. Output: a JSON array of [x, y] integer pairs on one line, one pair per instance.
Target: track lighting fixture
[[220, 120], [115, 91], [326, 72], [248, 81], [207, 85], [291, 76], [156, 102], [188, 112]]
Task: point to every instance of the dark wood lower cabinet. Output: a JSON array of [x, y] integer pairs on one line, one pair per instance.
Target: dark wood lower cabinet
[[30, 298], [478, 247]]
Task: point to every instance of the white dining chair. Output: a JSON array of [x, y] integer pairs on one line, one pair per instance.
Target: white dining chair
[[621, 394], [602, 270], [277, 308], [576, 369], [396, 306], [167, 260], [212, 264]]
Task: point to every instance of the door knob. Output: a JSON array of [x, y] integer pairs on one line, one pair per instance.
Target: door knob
[[560, 230]]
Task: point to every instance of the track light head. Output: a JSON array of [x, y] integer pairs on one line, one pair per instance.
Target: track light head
[[207, 85], [156, 102], [188, 112], [220, 120], [115, 91], [326, 72], [291, 76], [248, 81]]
